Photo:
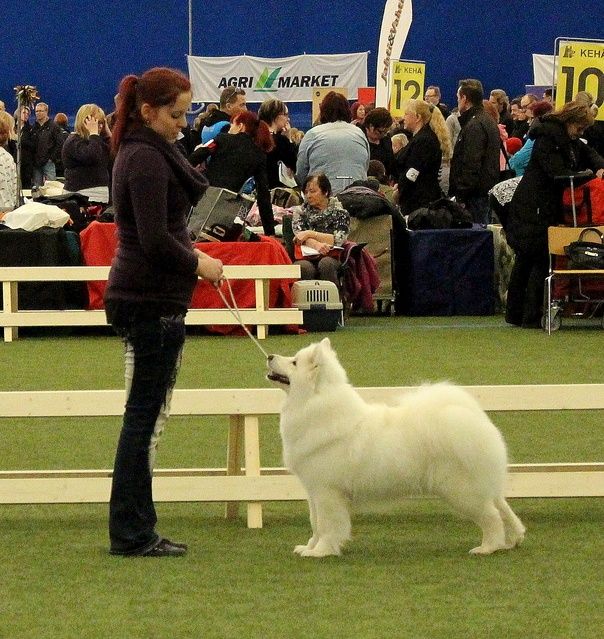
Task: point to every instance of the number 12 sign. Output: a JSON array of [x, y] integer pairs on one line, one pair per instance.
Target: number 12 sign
[[406, 83], [581, 68]]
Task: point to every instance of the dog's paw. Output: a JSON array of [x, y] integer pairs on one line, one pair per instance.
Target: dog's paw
[[313, 552], [512, 541], [320, 550], [483, 551], [298, 550]]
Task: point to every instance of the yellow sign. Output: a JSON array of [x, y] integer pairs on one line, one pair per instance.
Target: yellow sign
[[406, 83], [581, 68]]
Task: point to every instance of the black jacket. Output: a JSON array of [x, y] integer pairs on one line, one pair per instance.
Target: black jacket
[[231, 161], [49, 141], [424, 156], [284, 151], [381, 151], [475, 161], [506, 119], [520, 129], [154, 188], [28, 152], [214, 124], [86, 162], [595, 136], [11, 147], [536, 203]]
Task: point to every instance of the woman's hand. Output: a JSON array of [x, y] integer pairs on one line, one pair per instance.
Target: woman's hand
[[303, 236], [209, 268], [104, 129], [600, 174], [321, 247], [91, 124]]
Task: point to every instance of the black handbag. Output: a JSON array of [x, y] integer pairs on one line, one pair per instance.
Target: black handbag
[[586, 255], [219, 215]]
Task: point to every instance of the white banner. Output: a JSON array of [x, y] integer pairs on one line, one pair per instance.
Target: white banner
[[544, 70], [290, 79], [398, 15]]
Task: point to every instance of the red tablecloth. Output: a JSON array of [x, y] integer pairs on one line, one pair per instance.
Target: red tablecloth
[[99, 240]]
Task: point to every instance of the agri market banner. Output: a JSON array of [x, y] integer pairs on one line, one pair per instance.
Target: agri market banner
[[290, 79]]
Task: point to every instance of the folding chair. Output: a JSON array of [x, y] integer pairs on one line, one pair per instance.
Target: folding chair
[[558, 237]]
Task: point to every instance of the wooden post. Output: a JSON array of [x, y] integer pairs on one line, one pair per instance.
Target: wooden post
[[252, 466], [235, 438]]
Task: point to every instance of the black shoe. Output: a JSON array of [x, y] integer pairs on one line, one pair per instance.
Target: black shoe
[[176, 543], [513, 319], [532, 324], [165, 548]]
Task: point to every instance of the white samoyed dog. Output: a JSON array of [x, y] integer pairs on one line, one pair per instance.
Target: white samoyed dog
[[436, 440]]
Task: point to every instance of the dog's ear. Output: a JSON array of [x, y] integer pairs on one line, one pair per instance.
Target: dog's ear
[[325, 343], [321, 348]]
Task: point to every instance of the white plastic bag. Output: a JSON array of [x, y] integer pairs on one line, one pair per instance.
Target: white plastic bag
[[35, 215]]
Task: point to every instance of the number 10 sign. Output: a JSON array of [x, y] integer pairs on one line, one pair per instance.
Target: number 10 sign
[[406, 83], [580, 68]]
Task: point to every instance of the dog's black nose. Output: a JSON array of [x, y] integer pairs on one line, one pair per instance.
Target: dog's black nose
[[270, 358]]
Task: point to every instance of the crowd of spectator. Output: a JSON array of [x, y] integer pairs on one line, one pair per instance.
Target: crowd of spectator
[[430, 152]]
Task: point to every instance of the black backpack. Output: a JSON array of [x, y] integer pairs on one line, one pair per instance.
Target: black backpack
[[440, 214]]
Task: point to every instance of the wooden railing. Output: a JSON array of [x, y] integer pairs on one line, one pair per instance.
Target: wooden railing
[[261, 316], [243, 479]]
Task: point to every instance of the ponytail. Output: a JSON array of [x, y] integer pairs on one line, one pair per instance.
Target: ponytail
[[157, 87], [126, 114], [439, 126], [256, 129]]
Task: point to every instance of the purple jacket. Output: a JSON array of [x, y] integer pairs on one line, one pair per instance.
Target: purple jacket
[[153, 189]]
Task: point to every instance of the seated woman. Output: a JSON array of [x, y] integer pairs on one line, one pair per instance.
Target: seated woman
[[233, 157], [274, 113], [320, 224], [85, 153]]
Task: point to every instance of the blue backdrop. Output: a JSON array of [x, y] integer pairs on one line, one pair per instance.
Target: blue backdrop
[[76, 51]]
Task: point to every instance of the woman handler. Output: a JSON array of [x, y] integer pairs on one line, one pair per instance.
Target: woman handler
[[151, 282]]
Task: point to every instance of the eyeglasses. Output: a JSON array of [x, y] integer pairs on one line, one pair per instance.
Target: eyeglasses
[[230, 92]]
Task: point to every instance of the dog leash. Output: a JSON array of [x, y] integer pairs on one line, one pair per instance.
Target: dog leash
[[234, 310]]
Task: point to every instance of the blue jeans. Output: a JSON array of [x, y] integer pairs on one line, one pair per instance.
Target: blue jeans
[[46, 172], [152, 355]]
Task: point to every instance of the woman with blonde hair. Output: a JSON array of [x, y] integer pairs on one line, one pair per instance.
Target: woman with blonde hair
[[420, 161], [85, 153]]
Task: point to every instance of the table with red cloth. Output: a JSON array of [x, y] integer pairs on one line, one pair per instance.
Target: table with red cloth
[[99, 240]]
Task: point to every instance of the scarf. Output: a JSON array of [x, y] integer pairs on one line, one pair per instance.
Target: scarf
[[192, 181]]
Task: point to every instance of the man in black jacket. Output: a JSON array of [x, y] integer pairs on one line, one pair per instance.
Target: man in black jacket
[[475, 161], [232, 102], [48, 144]]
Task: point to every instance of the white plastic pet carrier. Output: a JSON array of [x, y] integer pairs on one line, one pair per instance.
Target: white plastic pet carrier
[[320, 304]]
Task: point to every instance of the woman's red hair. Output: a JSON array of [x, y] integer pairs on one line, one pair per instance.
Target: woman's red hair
[[157, 87], [256, 129]]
